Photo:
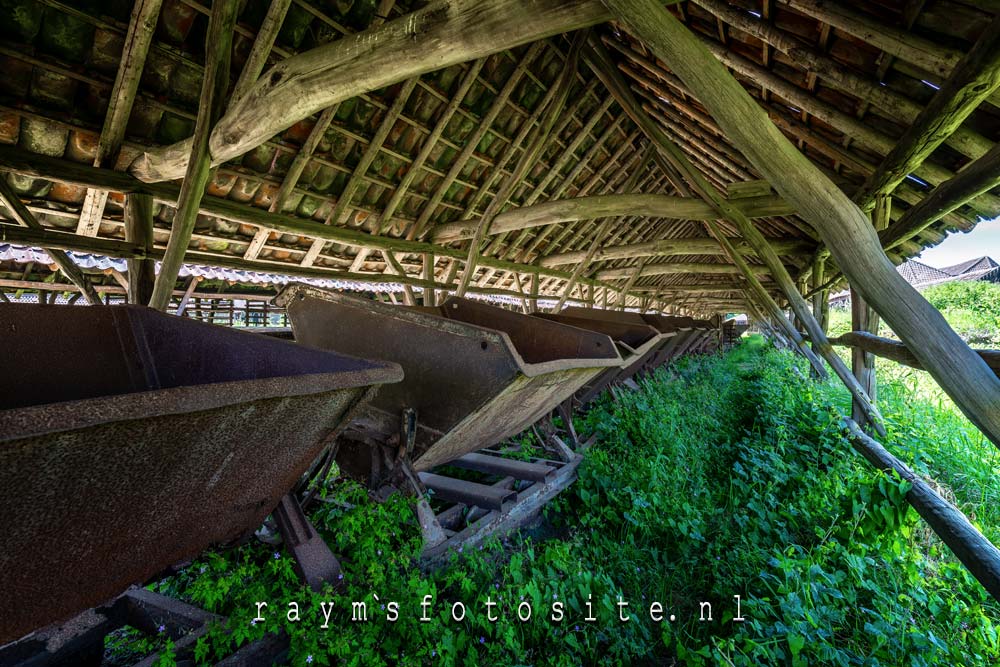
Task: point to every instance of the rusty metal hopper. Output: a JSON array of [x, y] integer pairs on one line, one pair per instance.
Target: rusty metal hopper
[[637, 340], [131, 440], [476, 374]]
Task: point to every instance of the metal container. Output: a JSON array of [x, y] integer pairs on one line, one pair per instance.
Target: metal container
[[131, 440], [636, 340], [475, 374]]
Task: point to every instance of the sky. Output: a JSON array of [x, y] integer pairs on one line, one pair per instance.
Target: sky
[[958, 247]]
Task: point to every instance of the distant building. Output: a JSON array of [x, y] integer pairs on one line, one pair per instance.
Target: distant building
[[921, 275]]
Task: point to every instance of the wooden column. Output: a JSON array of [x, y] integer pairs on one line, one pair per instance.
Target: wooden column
[[213, 97], [139, 230], [864, 318], [845, 230]]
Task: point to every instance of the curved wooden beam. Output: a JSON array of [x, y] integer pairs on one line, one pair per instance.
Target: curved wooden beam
[[609, 206], [443, 33], [844, 228], [685, 246]]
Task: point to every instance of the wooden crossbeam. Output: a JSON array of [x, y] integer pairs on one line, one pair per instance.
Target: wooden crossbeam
[[442, 33], [677, 267], [676, 246], [213, 92], [609, 205]]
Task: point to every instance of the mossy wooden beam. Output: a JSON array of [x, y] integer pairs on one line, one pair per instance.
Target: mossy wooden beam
[[611, 205], [845, 230], [27, 220], [898, 352], [218, 54], [65, 171], [972, 81], [442, 33]]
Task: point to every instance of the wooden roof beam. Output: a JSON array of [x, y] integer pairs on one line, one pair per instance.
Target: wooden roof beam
[[442, 33], [142, 26], [677, 267], [970, 83], [681, 246], [613, 205]]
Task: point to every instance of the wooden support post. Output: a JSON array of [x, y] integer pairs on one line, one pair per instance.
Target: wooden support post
[[25, 218], [186, 297], [139, 230], [213, 92], [864, 318], [428, 294], [844, 229]]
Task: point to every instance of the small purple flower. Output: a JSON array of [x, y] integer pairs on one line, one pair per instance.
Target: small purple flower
[[576, 628], [482, 640], [203, 568], [496, 586], [277, 556], [434, 653], [161, 629], [554, 596], [379, 552], [460, 549], [309, 659], [340, 576]]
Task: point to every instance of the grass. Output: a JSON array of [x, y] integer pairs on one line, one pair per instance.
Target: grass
[[721, 476]]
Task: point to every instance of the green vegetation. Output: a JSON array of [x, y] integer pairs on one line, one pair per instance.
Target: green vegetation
[[722, 476], [972, 308]]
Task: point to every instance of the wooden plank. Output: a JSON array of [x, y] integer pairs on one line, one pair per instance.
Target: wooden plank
[[678, 267], [213, 92], [971, 83], [468, 493], [844, 228], [141, 28], [440, 34], [139, 230], [25, 218]]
